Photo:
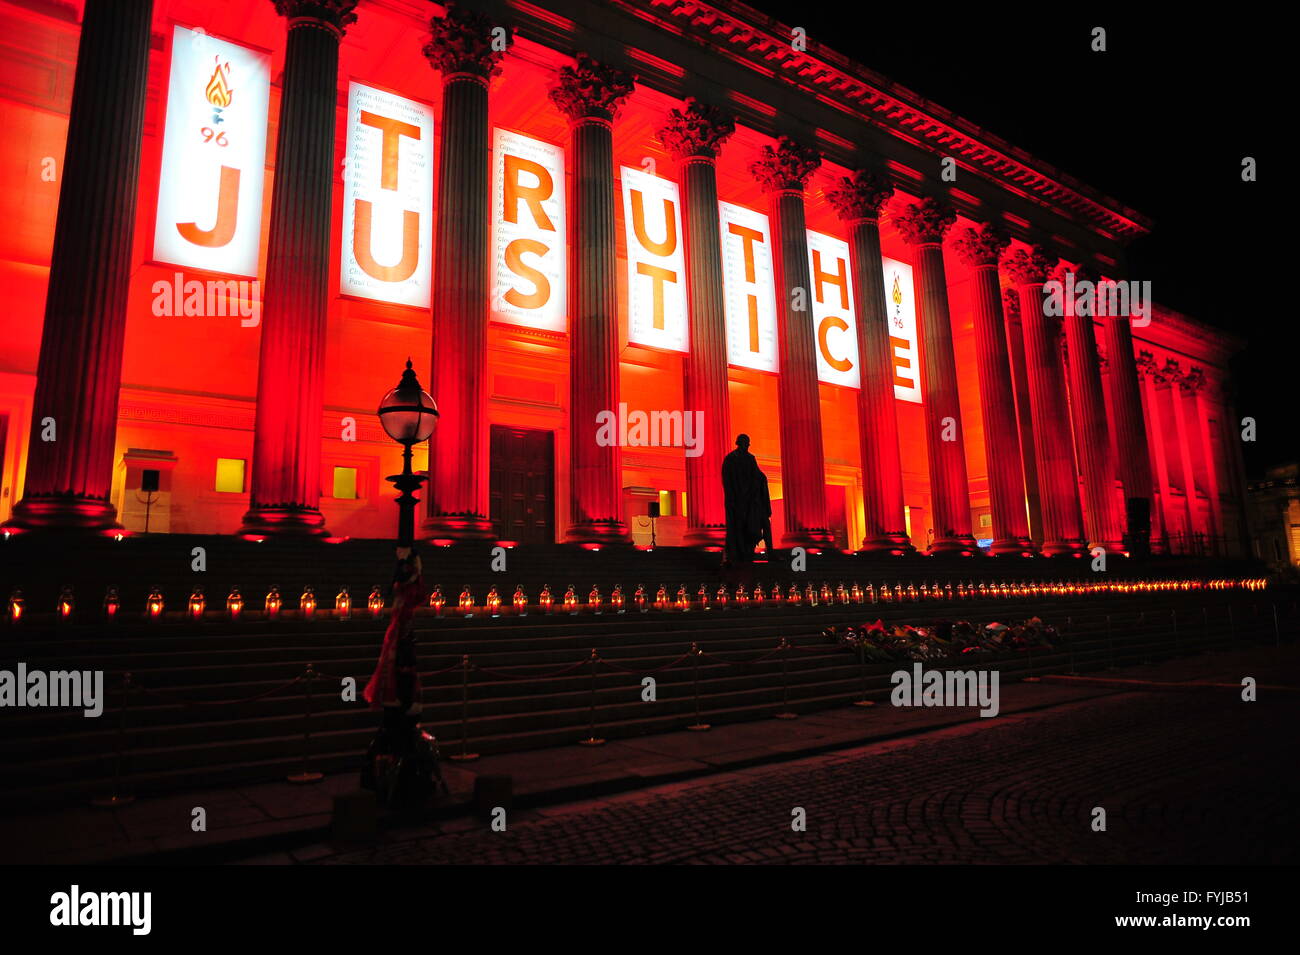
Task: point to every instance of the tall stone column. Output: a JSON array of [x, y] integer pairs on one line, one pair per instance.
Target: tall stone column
[[783, 173], [923, 225], [79, 372], [1198, 414], [858, 199], [1184, 468], [285, 492], [695, 134], [1124, 400], [1165, 523], [589, 94], [981, 249], [1024, 417], [461, 49], [1091, 430], [1058, 488]]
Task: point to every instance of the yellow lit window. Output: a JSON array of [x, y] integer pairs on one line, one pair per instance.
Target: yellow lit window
[[230, 475], [665, 503], [683, 503], [345, 483]]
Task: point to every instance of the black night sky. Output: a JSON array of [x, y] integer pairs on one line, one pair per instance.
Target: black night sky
[[1160, 121]]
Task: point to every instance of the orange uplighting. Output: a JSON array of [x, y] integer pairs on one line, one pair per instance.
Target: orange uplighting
[[65, 604]]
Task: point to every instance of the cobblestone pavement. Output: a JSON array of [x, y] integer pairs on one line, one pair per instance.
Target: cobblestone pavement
[[1183, 777]]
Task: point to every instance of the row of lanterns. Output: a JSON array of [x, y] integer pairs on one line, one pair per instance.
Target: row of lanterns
[[641, 600]]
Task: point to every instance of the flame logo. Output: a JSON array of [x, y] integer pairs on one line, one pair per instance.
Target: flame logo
[[898, 291], [218, 90]]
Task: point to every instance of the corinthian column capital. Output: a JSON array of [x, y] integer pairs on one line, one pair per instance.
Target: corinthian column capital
[[982, 246], [465, 42], [1011, 304], [861, 195], [925, 222], [785, 167], [332, 15], [591, 90], [1029, 267], [696, 130]]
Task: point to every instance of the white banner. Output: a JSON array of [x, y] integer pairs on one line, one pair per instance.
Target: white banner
[[529, 233], [834, 320], [749, 288], [900, 299], [656, 262], [387, 198], [214, 155]]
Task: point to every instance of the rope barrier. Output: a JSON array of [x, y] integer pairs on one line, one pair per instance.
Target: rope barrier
[[170, 697], [666, 666], [531, 676]]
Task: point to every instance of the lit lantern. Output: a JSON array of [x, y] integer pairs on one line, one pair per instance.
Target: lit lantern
[[112, 603], [825, 593], [742, 598], [911, 591], [437, 601], [545, 599], [273, 603], [983, 589], [307, 603], [810, 595], [870, 595], [593, 600], [343, 604], [841, 594], [494, 602], [154, 605], [758, 595], [66, 602], [683, 599], [639, 599], [15, 611], [886, 594], [661, 598], [936, 592], [792, 596], [616, 599], [858, 596], [375, 602], [197, 603], [703, 594], [234, 603], [571, 601], [898, 593], [466, 602], [520, 601], [947, 590], [722, 597], [1004, 590]]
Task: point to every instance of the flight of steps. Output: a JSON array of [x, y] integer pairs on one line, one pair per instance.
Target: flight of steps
[[181, 731]]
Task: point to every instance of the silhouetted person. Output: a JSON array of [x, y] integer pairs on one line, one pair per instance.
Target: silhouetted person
[[741, 480]]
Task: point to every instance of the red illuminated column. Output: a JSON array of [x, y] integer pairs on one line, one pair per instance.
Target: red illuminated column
[[1124, 401], [589, 93], [1091, 431], [924, 224], [1185, 450], [285, 492], [79, 372], [981, 249], [1166, 518], [783, 173], [1024, 417], [858, 199], [1058, 488], [695, 134], [461, 48], [1197, 410]]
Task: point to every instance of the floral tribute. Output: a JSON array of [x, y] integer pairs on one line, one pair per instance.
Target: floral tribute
[[882, 643]]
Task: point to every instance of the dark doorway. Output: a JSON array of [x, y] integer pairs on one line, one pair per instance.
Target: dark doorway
[[522, 484]]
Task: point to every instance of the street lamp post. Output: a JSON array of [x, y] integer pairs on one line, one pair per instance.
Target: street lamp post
[[409, 416]]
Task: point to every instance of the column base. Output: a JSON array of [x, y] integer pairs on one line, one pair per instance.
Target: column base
[[709, 537], [1013, 547], [598, 533], [1065, 548], [896, 543], [455, 528], [816, 538], [962, 545], [283, 521], [63, 512]]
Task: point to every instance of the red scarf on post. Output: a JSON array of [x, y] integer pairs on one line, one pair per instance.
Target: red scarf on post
[[381, 691]]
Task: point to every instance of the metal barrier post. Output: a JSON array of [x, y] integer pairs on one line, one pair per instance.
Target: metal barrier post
[[464, 756]]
